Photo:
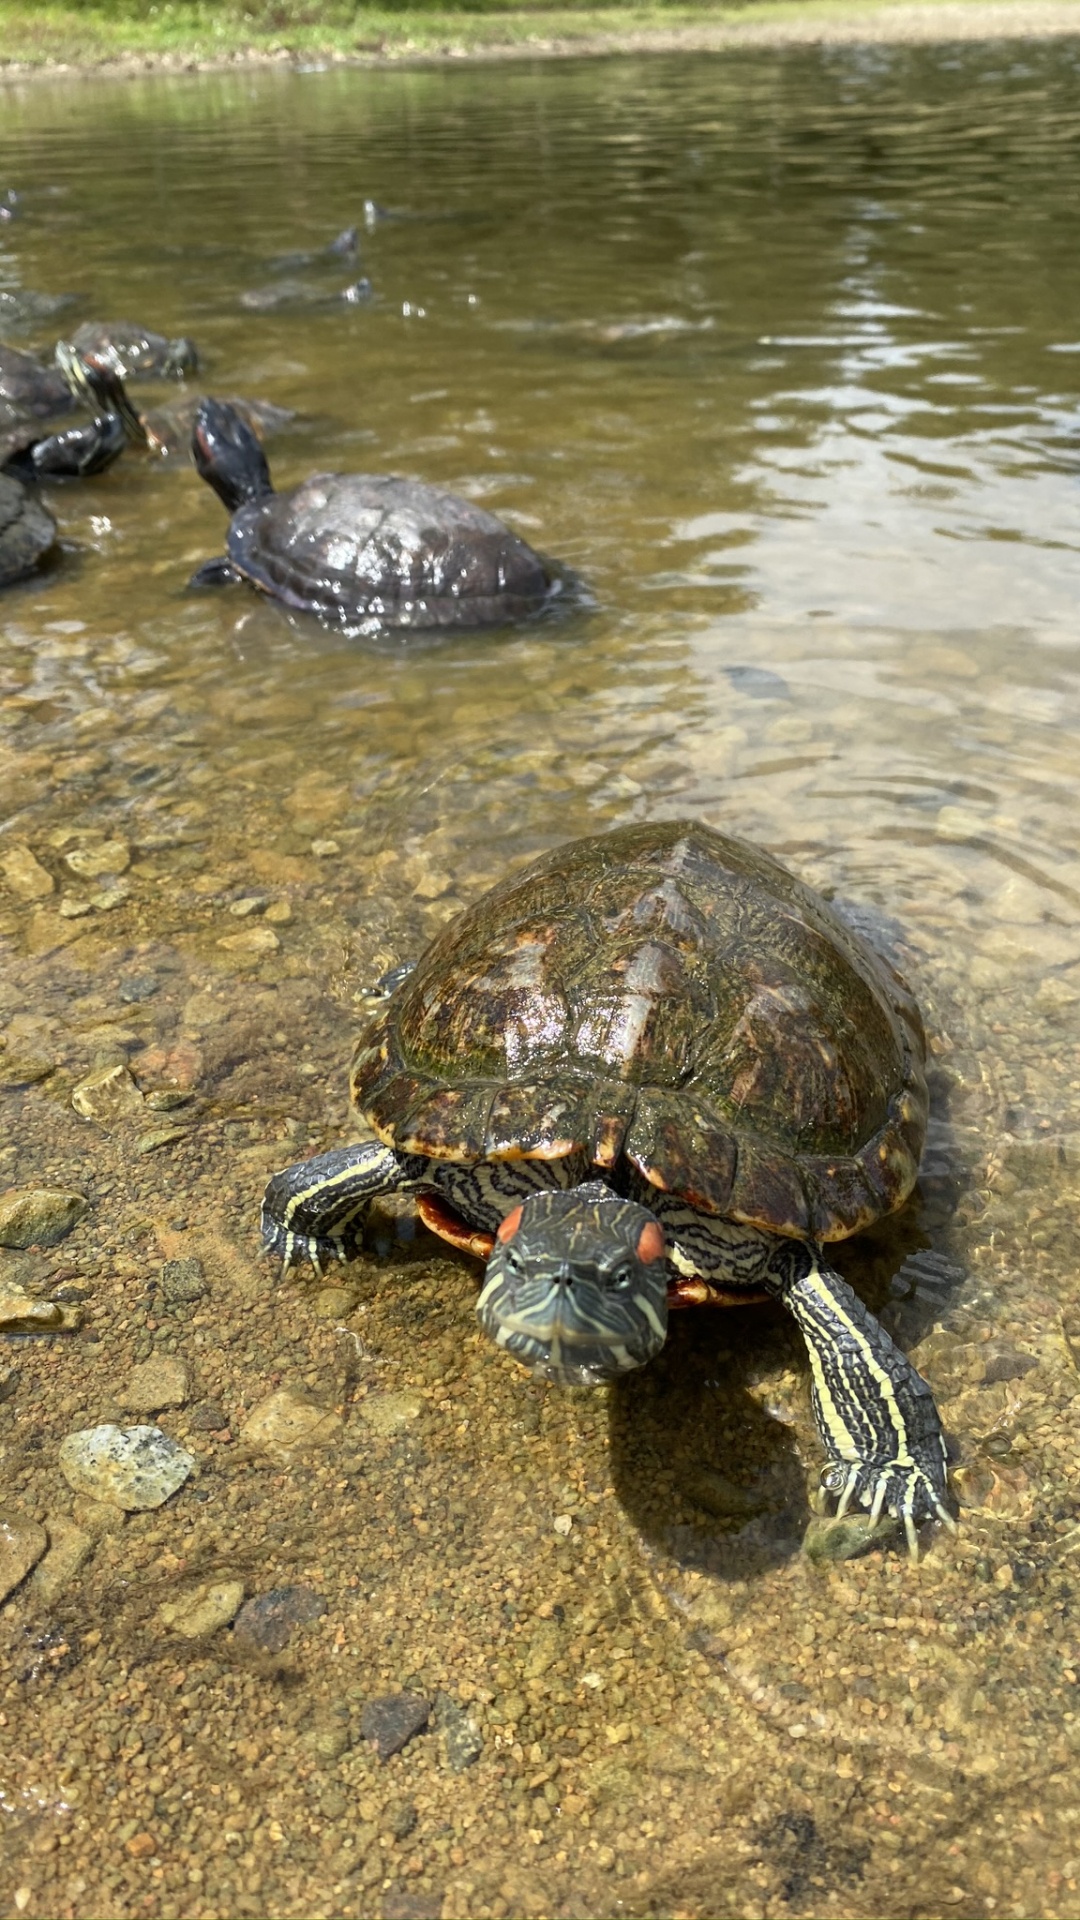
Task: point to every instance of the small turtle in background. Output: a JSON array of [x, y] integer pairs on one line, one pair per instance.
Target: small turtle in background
[[135, 352], [360, 548], [29, 451], [301, 293], [344, 246], [27, 531], [652, 1070]]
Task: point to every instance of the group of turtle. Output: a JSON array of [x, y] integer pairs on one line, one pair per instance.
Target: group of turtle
[[653, 1070]]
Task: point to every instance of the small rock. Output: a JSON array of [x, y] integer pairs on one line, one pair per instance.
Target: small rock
[[388, 1412], [261, 939], [165, 1136], [25, 875], [280, 913], [252, 903], [325, 849], [74, 908], [329, 1741], [183, 1281], [203, 1609], [9, 1382], [104, 856], [269, 1621], [161, 1381], [20, 1312], [391, 1721], [209, 1417], [38, 1216], [333, 1303], [113, 896], [829, 1539], [167, 1099], [141, 1845], [291, 1421], [106, 1095], [1007, 1363], [432, 885], [22, 1543], [462, 1740], [136, 987], [70, 1547], [133, 1467], [23, 1068]]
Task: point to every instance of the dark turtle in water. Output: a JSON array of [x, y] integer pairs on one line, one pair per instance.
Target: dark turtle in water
[[30, 452], [361, 548], [301, 293], [135, 352], [27, 531], [344, 246], [653, 1069]]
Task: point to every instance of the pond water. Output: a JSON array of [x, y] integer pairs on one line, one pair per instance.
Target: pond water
[[780, 353]]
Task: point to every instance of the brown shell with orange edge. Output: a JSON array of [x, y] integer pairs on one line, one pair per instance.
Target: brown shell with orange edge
[[675, 997]]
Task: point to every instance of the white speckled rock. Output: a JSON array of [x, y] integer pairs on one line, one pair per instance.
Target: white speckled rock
[[132, 1467]]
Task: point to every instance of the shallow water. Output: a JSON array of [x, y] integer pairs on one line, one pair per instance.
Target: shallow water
[[779, 354]]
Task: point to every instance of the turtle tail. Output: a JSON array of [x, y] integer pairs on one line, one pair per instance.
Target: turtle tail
[[228, 455]]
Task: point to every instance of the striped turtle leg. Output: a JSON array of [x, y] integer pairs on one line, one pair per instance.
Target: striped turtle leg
[[876, 1416], [316, 1209]]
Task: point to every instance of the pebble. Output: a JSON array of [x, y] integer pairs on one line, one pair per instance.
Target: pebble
[[209, 1417], [20, 1312], [104, 856], [269, 1621], [162, 1381], [133, 1467], [291, 1421], [25, 876], [183, 1281], [22, 1543], [391, 1721], [461, 1737], [829, 1539], [260, 939], [333, 1303], [24, 1069], [38, 1216], [388, 1412], [165, 1136], [280, 913], [325, 849], [137, 987], [70, 1547], [203, 1609], [252, 903], [106, 1095]]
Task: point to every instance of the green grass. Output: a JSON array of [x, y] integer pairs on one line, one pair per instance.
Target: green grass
[[88, 33]]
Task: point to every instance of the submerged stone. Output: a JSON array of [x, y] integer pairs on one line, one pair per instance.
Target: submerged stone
[[136, 1468], [38, 1216]]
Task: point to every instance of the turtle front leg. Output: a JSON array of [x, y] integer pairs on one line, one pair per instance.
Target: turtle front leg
[[875, 1414], [316, 1209]]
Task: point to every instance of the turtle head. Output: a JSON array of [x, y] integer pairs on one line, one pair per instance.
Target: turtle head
[[99, 387], [576, 1285], [228, 455]]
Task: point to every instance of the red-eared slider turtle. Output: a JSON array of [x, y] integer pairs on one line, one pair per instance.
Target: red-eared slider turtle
[[652, 1069], [29, 452], [362, 548], [135, 352], [27, 531]]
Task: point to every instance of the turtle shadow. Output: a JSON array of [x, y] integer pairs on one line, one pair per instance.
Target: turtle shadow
[[713, 1445]]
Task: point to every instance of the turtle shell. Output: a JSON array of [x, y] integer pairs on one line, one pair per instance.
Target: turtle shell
[[27, 531], [132, 351], [356, 546], [669, 995]]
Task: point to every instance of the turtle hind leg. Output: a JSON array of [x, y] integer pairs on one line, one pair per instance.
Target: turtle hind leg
[[875, 1414], [315, 1210]]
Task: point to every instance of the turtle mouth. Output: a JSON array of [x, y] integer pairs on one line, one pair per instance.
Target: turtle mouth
[[578, 1341]]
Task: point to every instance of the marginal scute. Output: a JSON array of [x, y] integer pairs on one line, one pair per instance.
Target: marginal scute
[[670, 996]]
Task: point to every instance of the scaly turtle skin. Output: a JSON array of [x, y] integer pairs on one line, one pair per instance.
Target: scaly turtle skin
[[362, 549], [651, 1070], [28, 453], [27, 531], [135, 352]]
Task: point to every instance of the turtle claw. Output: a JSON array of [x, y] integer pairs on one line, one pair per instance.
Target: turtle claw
[[910, 1493]]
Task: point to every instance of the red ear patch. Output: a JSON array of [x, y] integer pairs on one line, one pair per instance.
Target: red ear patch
[[651, 1245], [509, 1226]]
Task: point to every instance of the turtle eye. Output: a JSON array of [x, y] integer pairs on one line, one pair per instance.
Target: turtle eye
[[512, 1260], [623, 1276]]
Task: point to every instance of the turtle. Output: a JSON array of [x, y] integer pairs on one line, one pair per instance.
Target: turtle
[[360, 548], [344, 246], [301, 293], [168, 429], [135, 352], [654, 1069], [30, 453], [27, 531]]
